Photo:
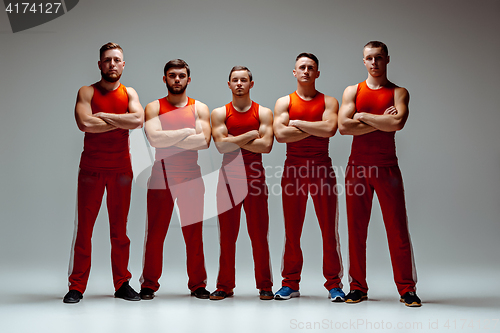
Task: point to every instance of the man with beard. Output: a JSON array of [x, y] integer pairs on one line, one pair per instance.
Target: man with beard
[[177, 126], [105, 111], [242, 126]]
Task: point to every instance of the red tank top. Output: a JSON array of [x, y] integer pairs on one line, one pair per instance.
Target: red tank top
[[376, 148], [312, 147], [108, 151], [173, 118], [238, 123]]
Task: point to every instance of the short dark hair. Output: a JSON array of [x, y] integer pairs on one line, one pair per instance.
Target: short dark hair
[[240, 68], [109, 46], [310, 56], [176, 63], [376, 44]]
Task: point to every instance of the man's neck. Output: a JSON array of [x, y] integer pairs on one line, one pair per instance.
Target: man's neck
[[306, 92], [109, 86], [376, 82], [242, 103], [177, 100]]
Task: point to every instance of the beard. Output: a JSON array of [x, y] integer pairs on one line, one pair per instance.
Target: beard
[[110, 78], [176, 90]]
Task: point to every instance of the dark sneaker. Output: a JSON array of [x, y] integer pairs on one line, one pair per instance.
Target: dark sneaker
[[127, 293], [220, 294], [266, 294], [147, 293], [411, 299], [73, 296], [336, 295], [286, 293], [355, 296], [201, 293]]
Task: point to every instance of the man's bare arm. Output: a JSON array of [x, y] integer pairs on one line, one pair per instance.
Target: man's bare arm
[[264, 143], [282, 130], [324, 128], [157, 137], [201, 139], [394, 118], [224, 142], [348, 125], [134, 118], [86, 121]]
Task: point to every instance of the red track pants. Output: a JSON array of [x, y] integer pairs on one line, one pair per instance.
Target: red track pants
[[316, 178], [230, 199], [361, 182], [91, 186], [163, 189]]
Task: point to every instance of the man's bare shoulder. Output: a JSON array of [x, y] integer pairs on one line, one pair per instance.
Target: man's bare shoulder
[[154, 104], [330, 99], [284, 99], [85, 93], [282, 103], [351, 89], [220, 108], [201, 108], [86, 90], [131, 91], [220, 111], [265, 112], [264, 109], [198, 104], [401, 90]]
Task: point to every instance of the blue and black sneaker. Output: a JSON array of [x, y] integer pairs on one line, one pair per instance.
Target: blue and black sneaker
[[286, 293], [336, 295]]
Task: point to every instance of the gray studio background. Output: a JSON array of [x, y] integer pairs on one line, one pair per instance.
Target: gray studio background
[[444, 52]]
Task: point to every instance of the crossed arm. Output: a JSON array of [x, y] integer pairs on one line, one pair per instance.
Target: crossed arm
[[187, 138], [257, 141], [104, 122], [287, 130], [358, 123]]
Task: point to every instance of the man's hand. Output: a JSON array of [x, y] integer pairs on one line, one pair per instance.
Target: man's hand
[[101, 115], [357, 116], [254, 134], [191, 131], [391, 110]]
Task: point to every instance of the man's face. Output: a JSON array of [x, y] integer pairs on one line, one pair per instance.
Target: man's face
[[375, 61], [240, 83], [111, 65], [176, 80], [306, 70]]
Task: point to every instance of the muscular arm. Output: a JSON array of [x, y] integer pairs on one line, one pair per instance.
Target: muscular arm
[[134, 118], [264, 143], [201, 139], [348, 125], [223, 141], [324, 128], [86, 121], [282, 130], [157, 137], [394, 118]]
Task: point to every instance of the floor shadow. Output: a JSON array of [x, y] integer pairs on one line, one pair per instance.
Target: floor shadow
[[467, 302]]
